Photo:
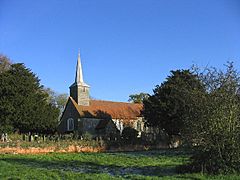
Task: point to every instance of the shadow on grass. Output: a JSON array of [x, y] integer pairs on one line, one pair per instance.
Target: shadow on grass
[[91, 167], [161, 152]]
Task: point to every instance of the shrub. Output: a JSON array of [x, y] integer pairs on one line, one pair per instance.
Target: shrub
[[213, 123], [87, 136], [129, 135]]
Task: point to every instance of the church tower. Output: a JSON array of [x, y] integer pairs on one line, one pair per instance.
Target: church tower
[[79, 90]]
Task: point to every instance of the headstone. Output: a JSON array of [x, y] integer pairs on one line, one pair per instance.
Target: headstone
[[6, 137], [23, 137], [3, 137], [101, 141], [44, 138], [35, 137], [29, 137], [56, 138]]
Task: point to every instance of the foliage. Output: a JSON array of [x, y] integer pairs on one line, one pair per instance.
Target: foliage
[[129, 135], [61, 100], [23, 103], [56, 99], [213, 122], [5, 63], [87, 136], [165, 109], [138, 98]]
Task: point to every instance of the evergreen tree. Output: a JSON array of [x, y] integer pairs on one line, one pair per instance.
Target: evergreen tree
[[23, 102], [165, 109]]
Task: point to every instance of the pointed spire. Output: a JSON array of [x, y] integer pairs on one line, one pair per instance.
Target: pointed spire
[[79, 74]]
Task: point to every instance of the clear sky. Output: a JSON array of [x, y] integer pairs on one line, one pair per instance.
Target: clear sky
[[127, 46]]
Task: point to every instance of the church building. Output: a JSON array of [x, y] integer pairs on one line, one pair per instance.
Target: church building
[[97, 117]]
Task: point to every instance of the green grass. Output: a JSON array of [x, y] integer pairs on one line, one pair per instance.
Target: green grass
[[127, 165]]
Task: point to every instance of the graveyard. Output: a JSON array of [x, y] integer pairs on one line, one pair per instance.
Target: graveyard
[[89, 159], [119, 89]]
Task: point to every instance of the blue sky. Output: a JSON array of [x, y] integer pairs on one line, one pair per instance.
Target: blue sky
[[127, 46]]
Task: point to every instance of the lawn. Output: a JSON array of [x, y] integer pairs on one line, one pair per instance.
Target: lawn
[[126, 165]]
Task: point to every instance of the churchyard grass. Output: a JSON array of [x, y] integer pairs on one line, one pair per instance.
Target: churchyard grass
[[122, 165]]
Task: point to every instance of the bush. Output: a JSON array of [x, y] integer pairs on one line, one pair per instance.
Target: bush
[[87, 136], [129, 135], [213, 123]]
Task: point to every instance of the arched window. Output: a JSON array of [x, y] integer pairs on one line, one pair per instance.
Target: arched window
[[70, 124]]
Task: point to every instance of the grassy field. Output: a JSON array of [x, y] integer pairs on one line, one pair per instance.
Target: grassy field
[[127, 165]]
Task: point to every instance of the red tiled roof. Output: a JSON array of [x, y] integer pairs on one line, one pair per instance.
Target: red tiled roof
[[106, 109]]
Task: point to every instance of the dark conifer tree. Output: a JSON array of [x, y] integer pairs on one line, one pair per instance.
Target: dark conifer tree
[[23, 102], [166, 107]]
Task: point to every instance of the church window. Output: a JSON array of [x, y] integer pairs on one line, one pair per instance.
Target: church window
[[70, 124]]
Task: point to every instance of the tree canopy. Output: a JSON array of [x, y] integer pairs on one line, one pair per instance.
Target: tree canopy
[[166, 107], [204, 108], [23, 102], [4, 63], [129, 135], [57, 99], [212, 123], [138, 98]]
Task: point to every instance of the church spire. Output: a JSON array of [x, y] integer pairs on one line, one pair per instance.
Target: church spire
[[79, 90], [79, 74]]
